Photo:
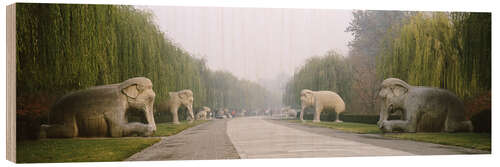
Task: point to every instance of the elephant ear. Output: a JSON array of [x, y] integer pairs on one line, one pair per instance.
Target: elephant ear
[[306, 92], [399, 90], [399, 87], [131, 91]]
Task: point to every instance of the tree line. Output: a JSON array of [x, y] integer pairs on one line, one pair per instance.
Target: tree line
[[450, 50], [67, 47]]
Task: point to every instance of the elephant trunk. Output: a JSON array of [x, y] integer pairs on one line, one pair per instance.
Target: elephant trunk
[[384, 114], [150, 116], [190, 113]]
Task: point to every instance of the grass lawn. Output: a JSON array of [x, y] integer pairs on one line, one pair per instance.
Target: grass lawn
[[92, 149], [480, 141], [80, 150]]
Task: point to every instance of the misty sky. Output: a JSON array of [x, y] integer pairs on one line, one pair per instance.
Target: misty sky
[[255, 43]]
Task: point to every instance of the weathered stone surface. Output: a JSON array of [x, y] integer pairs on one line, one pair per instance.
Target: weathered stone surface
[[424, 109], [204, 114], [102, 111]]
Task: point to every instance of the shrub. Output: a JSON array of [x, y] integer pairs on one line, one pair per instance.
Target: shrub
[[482, 122]]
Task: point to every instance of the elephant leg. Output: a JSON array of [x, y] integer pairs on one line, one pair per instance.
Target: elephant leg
[[137, 128], [121, 129], [59, 131], [337, 118], [399, 125], [317, 114], [190, 117], [458, 126], [302, 115], [175, 117], [68, 129]]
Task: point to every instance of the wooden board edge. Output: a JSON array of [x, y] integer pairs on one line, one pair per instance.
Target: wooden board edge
[[11, 82]]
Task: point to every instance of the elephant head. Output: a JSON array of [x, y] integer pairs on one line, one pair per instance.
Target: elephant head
[[306, 98], [393, 91], [140, 95], [186, 99]]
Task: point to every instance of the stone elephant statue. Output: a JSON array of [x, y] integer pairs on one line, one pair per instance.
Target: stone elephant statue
[[321, 100], [177, 99], [289, 113], [101, 111], [203, 114], [424, 109]]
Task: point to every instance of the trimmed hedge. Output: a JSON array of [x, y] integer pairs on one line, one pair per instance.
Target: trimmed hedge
[[330, 116]]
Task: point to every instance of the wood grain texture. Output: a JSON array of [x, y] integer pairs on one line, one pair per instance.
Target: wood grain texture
[[11, 83]]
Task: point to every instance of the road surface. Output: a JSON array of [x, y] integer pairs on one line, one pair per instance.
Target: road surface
[[258, 137]]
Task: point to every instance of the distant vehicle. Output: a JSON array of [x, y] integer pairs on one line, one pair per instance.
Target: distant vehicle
[[220, 117]]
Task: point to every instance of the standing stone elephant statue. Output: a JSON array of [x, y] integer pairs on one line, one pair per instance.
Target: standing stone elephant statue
[[101, 111], [321, 100], [203, 114], [178, 99], [424, 109]]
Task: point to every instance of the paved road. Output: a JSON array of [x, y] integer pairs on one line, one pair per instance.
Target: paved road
[[257, 137], [204, 142]]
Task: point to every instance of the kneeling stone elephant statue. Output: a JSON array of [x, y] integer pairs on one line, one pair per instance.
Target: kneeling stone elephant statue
[[203, 114], [101, 111], [424, 109], [321, 100]]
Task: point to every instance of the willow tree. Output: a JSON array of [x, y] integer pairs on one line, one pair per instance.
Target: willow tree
[[451, 51], [67, 47], [329, 72]]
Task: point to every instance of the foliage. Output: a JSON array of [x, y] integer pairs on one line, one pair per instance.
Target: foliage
[[482, 122], [366, 119], [480, 141], [80, 150], [67, 47], [330, 72], [167, 129], [368, 29], [445, 50]]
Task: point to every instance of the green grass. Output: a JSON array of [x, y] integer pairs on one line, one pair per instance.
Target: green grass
[[345, 126], [80, 150], [167, 129], [480, 141], [92, 149]]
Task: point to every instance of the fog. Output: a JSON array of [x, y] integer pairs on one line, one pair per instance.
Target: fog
[[255, 43]]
